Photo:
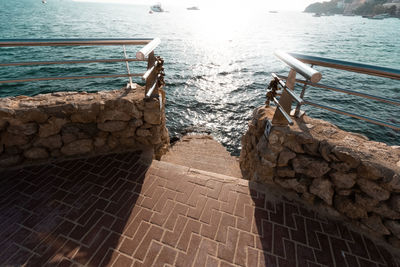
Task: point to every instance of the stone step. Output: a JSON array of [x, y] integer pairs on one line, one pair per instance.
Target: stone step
[[204, 153]]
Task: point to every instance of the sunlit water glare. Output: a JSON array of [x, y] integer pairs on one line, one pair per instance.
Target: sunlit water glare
[[217, 61]]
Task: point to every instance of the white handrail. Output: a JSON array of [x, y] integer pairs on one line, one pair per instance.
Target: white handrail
[[306, 71], [147, 49]]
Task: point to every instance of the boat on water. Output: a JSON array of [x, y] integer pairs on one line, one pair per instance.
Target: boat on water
[[380, 16], [44, 2], [193, 8], [157, 8]]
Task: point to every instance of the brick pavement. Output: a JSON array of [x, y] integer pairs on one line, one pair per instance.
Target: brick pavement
[[118, 210], [202, 152]]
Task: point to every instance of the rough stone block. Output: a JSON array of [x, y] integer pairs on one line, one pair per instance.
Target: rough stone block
[[310, 166], [350, 209], [36, 153], [77, 147], [373, 190], [285, 156], [112, 126], [343, 180], [52, 127], [374, 222], [323, 189]]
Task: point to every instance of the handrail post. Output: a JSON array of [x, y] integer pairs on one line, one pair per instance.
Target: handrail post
[[153, 75], [285, 100], [130, 85]]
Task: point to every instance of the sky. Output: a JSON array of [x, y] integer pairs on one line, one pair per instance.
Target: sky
[[298, 5]]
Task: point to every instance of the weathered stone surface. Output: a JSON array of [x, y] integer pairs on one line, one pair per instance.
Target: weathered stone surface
[[264, 173], [373, 190], [350, 209], [52, 127], [309, 198], [10, 160], [340, 166], [395, 202], [284, 157], [82, 146], [32, 115], [323, 189], [374, 222], [293, 145], [113, 115], [392, 183], [112, 126], [68, 138], [129, 131], [292, 184], [344, 192], [312, 148], [343, 180], [51, 142], [369, 170], [143, 132], [325, 149], [129, 142], [23, 128], [36, 153], [285, 172], [14, 150], [152, 116], [365, 201], [394, 227], [100, 141], [312, 167], [384, 210], [347, 155], [112, 142], [9, 139], [3, 124], [84, 116]]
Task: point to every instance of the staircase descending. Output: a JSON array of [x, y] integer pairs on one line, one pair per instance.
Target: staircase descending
[[202, 152]]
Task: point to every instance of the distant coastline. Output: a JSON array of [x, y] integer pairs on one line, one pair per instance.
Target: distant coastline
[[356, 7]]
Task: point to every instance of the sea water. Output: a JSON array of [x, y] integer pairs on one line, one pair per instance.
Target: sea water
[[218, 61]]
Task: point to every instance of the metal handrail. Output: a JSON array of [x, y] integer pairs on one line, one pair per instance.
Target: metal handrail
[[349, 66], [292, 60], [143, 55], [74, 42]]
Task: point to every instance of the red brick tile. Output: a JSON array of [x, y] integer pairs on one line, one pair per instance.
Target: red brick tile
[[166, 256], [171, 237], [210, 230], [129, 245], [246, 240], [226, 250], [152, 254], [179, 209], [154, 233], [191, 227], [206, 249], [185, 259], [211, 205], [226, 222], [246, 222]]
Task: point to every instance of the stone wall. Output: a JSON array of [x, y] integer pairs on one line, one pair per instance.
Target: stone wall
[[327, 167], [70, 124]]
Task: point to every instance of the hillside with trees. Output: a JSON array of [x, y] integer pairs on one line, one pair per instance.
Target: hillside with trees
[[358, 7]]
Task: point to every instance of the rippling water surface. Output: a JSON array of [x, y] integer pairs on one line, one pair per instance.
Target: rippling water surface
[[217, 62]]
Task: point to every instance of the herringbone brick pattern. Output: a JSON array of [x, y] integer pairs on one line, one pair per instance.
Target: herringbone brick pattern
[[115, 210]]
